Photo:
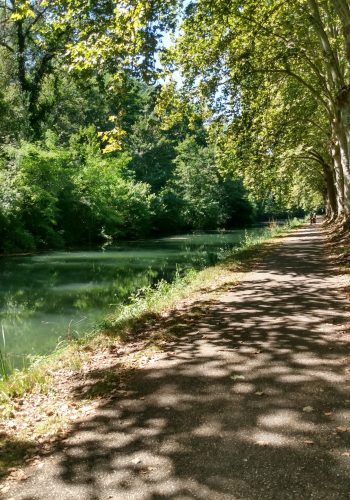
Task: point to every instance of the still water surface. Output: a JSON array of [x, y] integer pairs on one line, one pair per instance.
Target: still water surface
[[45, 297]]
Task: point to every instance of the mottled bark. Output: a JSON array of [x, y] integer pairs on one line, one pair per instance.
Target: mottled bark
[[338, 176], [331, 193]]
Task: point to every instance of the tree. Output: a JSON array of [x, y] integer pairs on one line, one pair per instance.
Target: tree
[[80, 34], [245, 47], [197, 196]]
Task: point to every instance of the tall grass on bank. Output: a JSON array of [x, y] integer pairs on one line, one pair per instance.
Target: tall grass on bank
[[151, 300], [4, 371], [5, 367], [273, 230]]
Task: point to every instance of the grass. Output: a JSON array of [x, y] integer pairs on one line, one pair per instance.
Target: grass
[[4, 370], [144, 306]]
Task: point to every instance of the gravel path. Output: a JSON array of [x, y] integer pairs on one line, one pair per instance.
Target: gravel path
[[250, 401]]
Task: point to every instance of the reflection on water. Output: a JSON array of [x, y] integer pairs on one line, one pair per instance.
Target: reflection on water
[[49, 296]]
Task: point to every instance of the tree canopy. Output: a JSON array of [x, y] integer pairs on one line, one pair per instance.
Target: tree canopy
[[94, 126], [276, 77]]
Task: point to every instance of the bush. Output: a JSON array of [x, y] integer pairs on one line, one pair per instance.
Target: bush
[[51, 195]]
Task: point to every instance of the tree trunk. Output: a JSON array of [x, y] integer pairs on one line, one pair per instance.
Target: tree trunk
[[338, 177], [344, 142], [331, 194], [343, 11]]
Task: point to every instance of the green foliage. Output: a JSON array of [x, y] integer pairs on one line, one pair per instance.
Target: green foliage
[[51, 195], [197, 183], [64, 189], [105, 203], [13, 116], [152, 152], [198, 196], [90, 152], [265, 76]]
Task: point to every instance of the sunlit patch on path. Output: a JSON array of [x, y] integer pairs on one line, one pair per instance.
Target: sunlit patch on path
[[251, 401]]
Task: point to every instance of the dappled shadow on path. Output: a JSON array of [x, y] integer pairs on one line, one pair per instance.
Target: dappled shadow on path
[[13, 450], [220, 413]]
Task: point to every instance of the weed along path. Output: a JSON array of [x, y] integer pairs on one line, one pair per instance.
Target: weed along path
[[249, 400]]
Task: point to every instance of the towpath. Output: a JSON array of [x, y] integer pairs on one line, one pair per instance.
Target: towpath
[[251, 400]]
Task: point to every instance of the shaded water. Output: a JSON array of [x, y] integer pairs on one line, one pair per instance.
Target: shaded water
[[49, 296]]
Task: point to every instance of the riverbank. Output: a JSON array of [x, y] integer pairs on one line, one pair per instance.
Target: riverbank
[[46, 298], [39, 405], [250, 378]]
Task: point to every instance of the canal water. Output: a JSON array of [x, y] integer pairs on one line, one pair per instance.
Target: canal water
[[47, 297]]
